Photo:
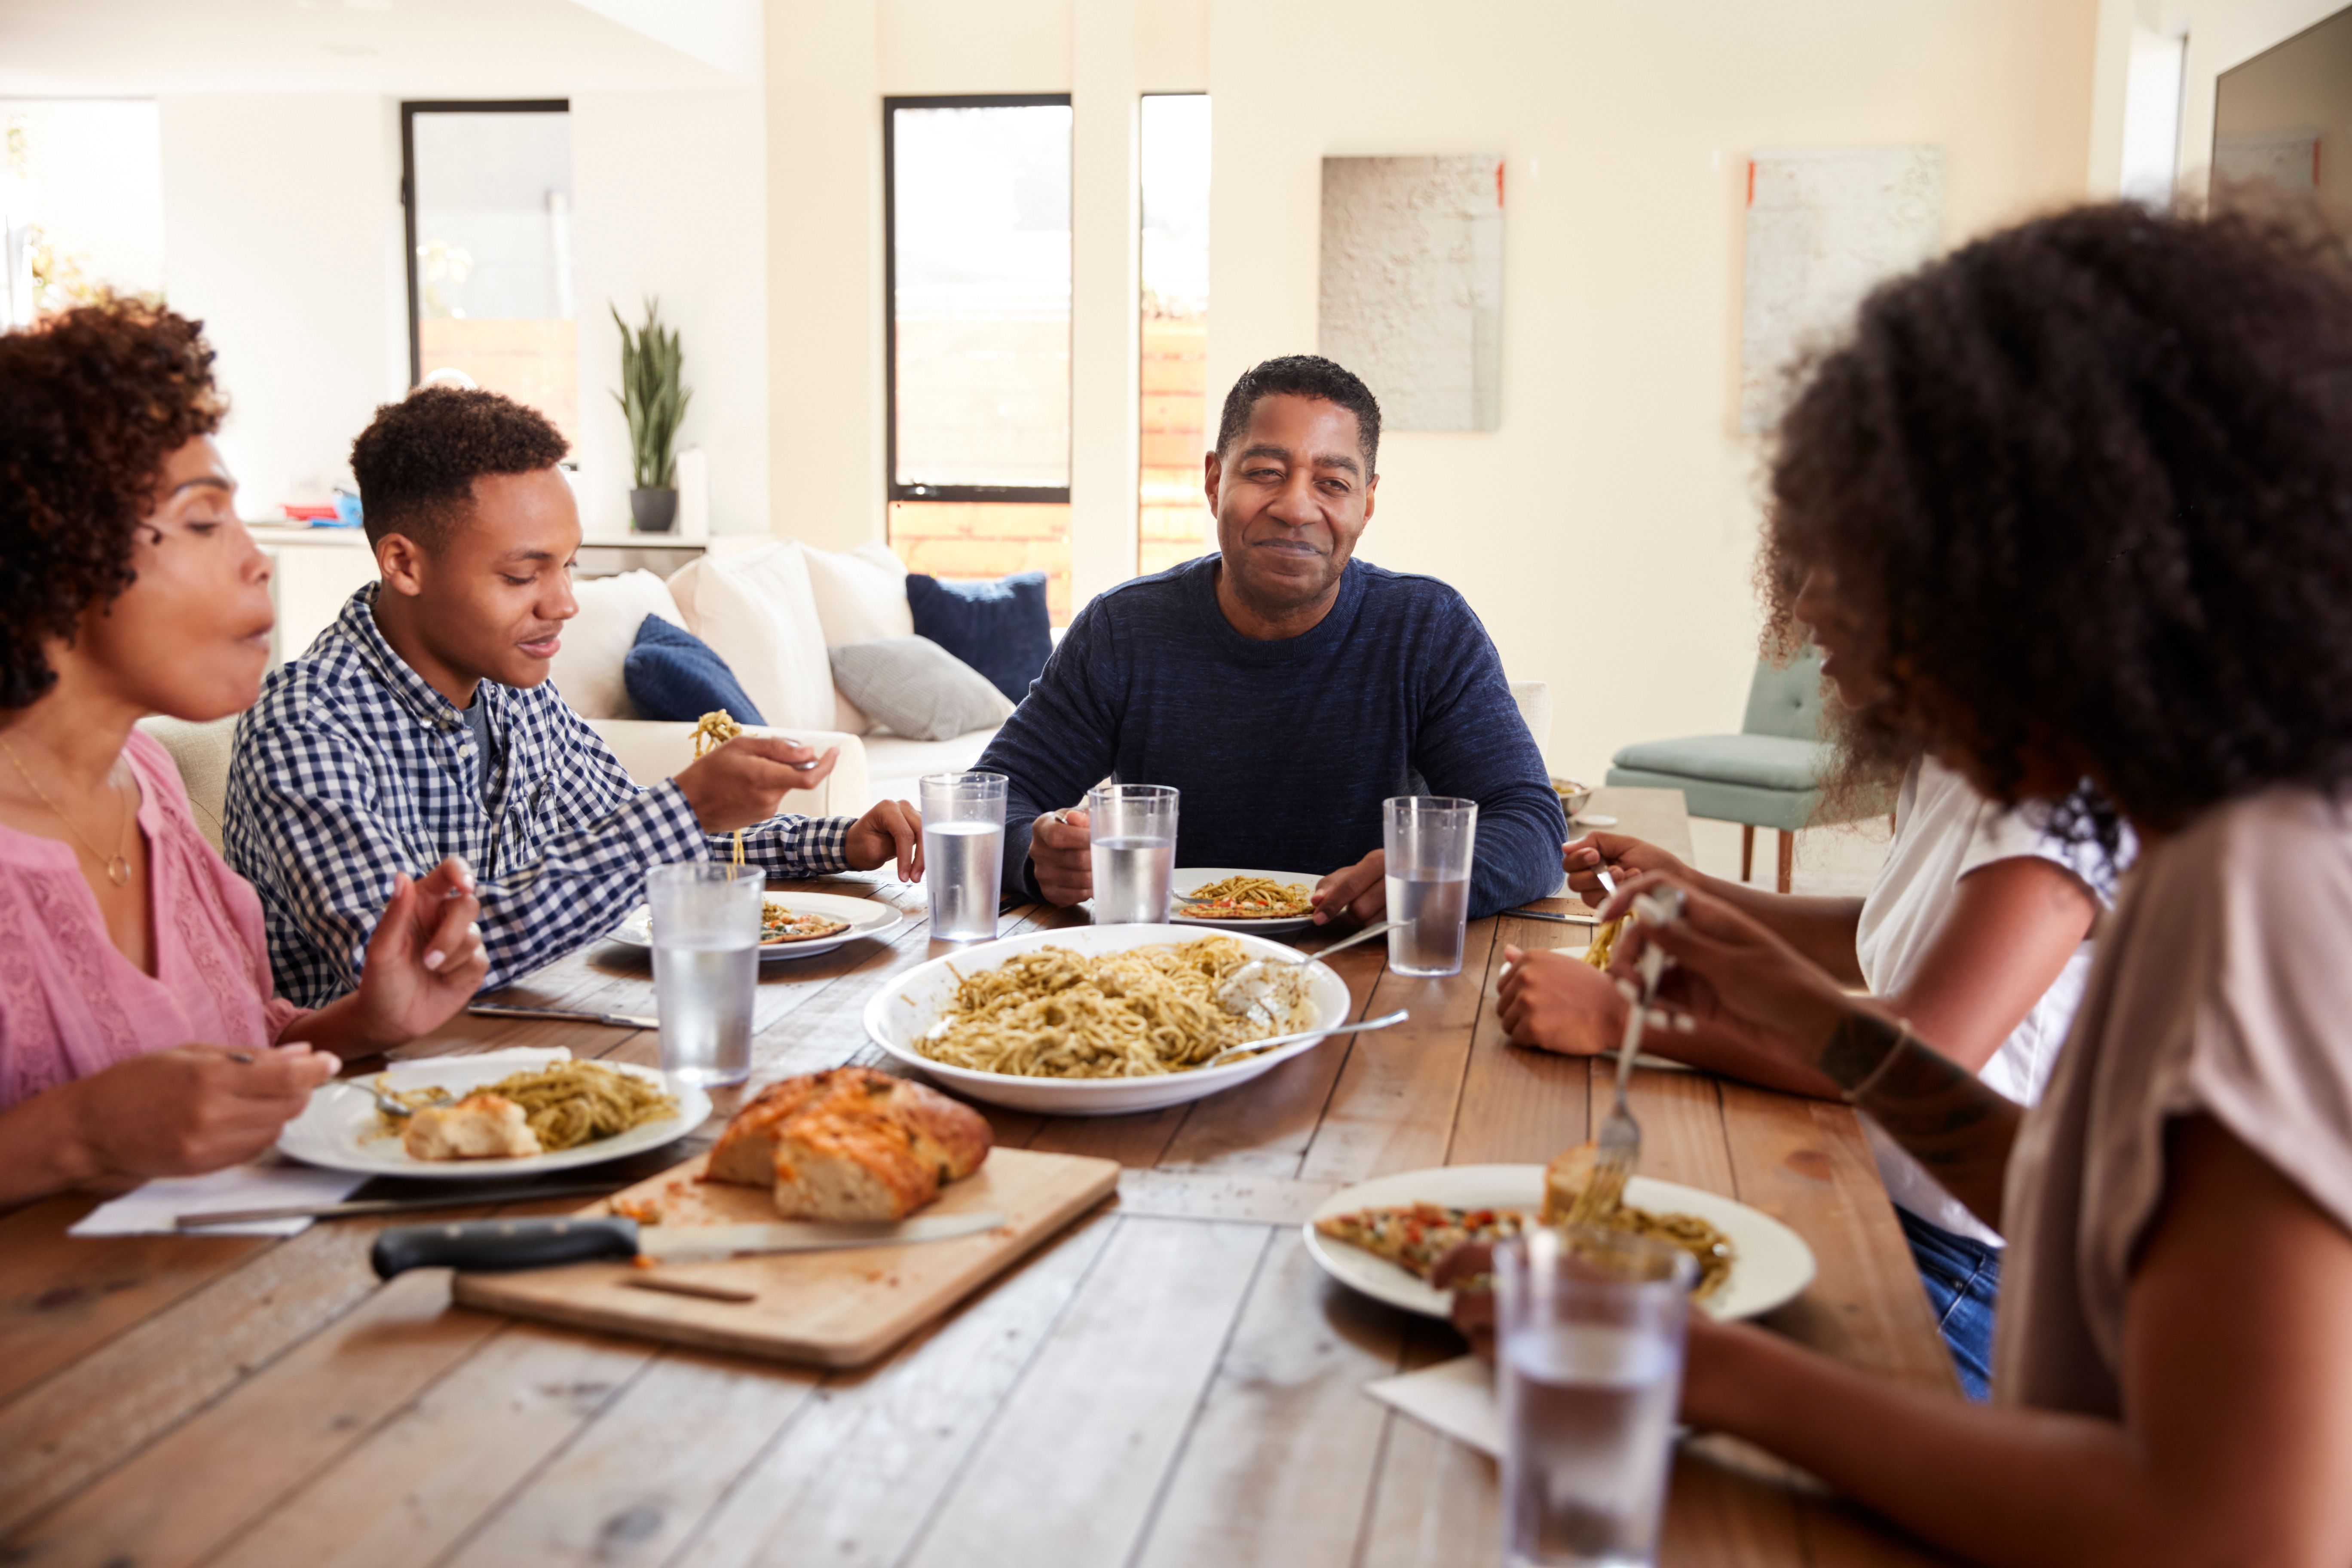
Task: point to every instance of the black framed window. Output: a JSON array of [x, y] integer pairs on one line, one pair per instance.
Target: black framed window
[[977, 243], [486, 190]]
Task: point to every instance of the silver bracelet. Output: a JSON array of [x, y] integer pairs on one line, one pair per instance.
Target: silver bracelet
[[1903, 1037]]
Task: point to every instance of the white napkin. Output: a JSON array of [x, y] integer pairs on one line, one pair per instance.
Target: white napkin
[[1455, 1397], [267, 1183], [415, 1070]]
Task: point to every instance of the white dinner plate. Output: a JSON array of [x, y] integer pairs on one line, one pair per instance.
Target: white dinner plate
[[341, 1131], [867, 917], [1770, 1264], [1185, 881], [898, 1013]]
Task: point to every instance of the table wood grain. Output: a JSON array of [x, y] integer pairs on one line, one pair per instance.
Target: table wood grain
[[1171, 1382]]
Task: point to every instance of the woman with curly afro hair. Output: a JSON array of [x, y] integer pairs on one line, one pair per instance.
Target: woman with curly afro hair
[[2075, 502], [139, 1032]]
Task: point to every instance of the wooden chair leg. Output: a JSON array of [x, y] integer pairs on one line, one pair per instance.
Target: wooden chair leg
[[1747, 850], [1787, 857]]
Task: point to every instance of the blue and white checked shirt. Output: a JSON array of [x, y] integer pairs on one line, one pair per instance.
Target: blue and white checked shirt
[[352, 768]]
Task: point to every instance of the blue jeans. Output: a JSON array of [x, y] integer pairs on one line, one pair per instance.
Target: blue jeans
[[1962, 1275]]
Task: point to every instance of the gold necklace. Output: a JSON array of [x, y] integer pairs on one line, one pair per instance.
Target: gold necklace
[[118, 868]]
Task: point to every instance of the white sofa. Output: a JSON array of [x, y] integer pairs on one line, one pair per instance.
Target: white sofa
[[771, 613]]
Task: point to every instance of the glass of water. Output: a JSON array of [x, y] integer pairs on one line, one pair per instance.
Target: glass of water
[[706, 967], [1589, 1353], [963, 853], [1428, 838], [1131, 831]]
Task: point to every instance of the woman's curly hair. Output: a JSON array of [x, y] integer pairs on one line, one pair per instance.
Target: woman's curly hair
[[92, 401], [2088, 485]]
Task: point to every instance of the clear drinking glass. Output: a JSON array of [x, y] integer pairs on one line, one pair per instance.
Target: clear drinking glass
[[706, 918], [1588, 1354], [1428, 838], [1131, 830], [963, 853]]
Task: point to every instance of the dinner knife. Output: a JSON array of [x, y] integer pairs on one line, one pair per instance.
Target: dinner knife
[[488, 1246], [564, 1015], [454, 1197]]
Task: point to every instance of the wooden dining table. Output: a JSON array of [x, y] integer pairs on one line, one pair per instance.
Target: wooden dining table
[[1171, 1380]]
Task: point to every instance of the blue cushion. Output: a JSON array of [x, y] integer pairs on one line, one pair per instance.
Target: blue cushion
[[1000, 628], [673, 674]]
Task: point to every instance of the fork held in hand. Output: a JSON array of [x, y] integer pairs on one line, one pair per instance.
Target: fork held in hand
[[1619, 1144]]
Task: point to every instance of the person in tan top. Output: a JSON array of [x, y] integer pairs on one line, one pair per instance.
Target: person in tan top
[[2078, 497]]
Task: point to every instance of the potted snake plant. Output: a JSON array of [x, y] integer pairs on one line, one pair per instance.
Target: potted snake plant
[[654, 402]]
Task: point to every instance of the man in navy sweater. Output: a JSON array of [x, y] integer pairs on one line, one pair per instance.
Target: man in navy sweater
[[1285, 687]]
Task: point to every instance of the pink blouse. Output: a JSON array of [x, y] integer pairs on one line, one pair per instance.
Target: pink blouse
[[71, 1005]]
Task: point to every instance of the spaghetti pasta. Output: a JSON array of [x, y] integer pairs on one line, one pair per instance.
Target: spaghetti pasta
[[565, 1104], [711, 732], [1604, 941], [1245, 898], [1053, 1013], [574, 1103]]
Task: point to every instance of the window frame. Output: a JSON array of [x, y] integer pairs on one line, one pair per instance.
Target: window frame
[[892, 489], [409, 110]]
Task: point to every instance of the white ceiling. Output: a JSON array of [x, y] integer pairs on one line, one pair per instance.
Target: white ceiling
[[407, 48]]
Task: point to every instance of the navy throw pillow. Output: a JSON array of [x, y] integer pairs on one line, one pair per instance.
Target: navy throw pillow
[[673, 674], [1001, 630]]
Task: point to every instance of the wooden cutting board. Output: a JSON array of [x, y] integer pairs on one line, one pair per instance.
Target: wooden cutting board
[[835, 1309]]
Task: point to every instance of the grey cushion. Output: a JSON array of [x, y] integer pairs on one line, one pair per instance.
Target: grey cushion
[[1762, 762], [918, 688]]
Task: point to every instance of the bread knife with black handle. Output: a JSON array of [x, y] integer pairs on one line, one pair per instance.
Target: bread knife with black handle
[[490, 1246]]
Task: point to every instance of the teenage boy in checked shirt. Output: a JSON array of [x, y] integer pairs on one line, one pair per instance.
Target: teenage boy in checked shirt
[[421, 725]]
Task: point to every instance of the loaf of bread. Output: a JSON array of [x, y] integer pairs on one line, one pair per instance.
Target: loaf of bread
[[852, 1143], [1566, 1177]]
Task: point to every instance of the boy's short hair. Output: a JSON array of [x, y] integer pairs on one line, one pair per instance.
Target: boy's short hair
[[417, 460]]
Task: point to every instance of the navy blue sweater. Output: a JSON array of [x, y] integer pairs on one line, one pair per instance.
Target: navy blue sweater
[[1285, 750]]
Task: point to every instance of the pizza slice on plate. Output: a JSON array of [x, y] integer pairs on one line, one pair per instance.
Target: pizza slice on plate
[[782, 924], [1413, 1237]]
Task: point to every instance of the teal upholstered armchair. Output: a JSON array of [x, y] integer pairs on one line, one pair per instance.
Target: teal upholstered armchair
[[1767, 775]]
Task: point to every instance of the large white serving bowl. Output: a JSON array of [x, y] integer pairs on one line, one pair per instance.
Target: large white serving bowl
[[901, 1013]]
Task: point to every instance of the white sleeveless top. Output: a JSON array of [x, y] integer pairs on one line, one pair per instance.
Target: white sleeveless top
[[1942, 830]]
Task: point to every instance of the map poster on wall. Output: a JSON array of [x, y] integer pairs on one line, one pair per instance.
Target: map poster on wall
[[1412, 286], [1824, 225]]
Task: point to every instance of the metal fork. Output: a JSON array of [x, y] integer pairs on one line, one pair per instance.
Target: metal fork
[[1619, 1144]]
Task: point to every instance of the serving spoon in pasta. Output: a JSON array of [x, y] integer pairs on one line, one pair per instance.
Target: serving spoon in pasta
[[1246, 991], [1251, 1047]]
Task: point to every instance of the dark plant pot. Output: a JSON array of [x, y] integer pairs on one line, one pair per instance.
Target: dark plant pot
[[653, 511]]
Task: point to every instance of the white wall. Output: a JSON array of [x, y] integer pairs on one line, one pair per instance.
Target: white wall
[[283, 229], [671, 199], [282, 232], [825, 273], [1606, 532], [98, 165]]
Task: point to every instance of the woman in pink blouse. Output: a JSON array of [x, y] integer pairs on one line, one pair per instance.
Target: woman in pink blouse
[[139, 1031]]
